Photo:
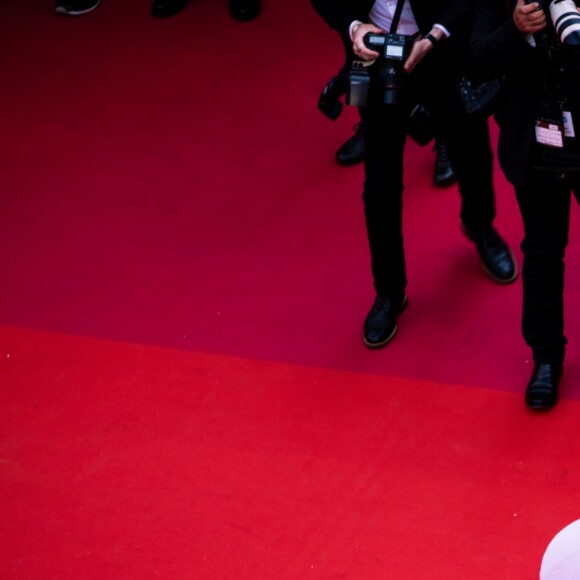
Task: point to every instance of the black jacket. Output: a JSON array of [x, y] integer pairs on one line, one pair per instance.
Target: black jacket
[[499, 49]]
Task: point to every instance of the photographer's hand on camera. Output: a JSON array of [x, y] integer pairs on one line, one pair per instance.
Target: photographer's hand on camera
[[422, 47], [529, 18], [358, 45]]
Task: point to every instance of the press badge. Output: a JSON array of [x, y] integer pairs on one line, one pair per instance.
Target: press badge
[[550, 125], [549, 133]]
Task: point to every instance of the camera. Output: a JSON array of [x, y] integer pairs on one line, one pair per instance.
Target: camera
[[565, 20], [390, 75], [359, 80]]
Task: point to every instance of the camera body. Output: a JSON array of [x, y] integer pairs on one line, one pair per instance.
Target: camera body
[[565, 21], [393, 50], [359, 81]]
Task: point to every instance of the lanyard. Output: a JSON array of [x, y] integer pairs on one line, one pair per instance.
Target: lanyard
[[397, 16]]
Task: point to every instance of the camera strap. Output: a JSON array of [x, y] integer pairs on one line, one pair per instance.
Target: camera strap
[[397, 16]]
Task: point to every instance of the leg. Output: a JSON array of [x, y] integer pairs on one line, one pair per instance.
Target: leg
[[385, 133], [545, 208], [469, 147], [470, 154]]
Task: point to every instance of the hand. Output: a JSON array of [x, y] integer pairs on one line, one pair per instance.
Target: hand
[[529, 18], [421, 47], [358, 45]]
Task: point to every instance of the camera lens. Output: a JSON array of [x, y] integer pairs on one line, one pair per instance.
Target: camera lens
[[566, 21]]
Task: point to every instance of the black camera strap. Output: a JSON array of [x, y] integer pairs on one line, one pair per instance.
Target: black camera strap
[[397, 16]]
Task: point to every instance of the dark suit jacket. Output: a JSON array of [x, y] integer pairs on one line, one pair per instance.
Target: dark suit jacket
[[499, 49]]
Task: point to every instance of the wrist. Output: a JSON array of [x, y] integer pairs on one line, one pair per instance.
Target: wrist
[[354, 26], [432, 39]]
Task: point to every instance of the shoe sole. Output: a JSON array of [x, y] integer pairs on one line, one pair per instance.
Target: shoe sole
[[540, 406], [377, 345], [445, 182], [64, 12], [350, 163]]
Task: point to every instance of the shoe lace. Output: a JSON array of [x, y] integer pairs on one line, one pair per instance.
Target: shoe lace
[[491, 240], [382, 303]]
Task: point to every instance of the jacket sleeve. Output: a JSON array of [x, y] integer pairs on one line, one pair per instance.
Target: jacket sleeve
[[456, 16], [495, 40]]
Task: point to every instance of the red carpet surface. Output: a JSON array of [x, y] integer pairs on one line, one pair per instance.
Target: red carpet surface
[[184, 392], [160, 187], [123, 461]]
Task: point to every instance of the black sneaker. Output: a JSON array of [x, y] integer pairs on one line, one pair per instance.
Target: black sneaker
[[496, 258], [353, 150], [380, 324], [75, 7]]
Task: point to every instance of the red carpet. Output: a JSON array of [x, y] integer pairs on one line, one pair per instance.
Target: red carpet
[[122, 461], [159, 192], [184, 389]]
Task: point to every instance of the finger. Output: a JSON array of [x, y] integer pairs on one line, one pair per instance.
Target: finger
[[536, 15], [531, 8], [409, 65], [412, 60], [373, 28]]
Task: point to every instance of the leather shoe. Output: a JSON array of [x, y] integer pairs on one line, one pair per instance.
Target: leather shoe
[[329, 101], [166, 8], [542, 390], [381, 322], [244, 10], [496, 258], [352, 151], [443, 174]]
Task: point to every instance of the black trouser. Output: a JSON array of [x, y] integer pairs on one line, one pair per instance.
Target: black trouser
[[544, 201], [385, 131]]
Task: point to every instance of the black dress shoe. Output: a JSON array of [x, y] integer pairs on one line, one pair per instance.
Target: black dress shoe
[[381, 322], [542, 390], [496, 258], [329, 101], [244, 10], [353, 150], [443, 174], [166, 8]]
